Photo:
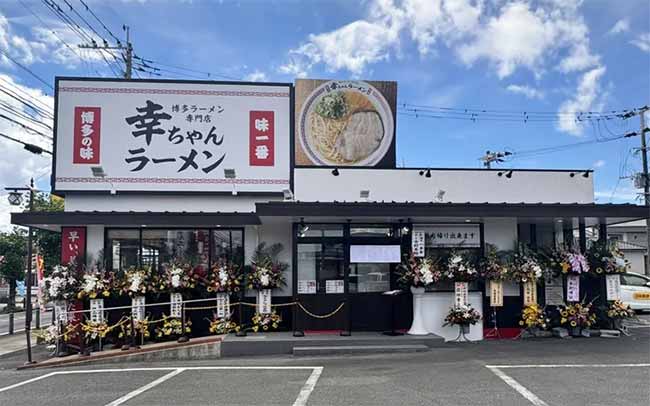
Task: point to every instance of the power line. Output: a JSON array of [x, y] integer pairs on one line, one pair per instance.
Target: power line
[[36, 109], [29, 147], [88, 9], [26, 127], [12, 110], [467, 110], [17, 90], [26, 69], [146, 62]]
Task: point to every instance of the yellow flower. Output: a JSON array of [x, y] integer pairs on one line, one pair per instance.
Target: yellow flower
[[572, 312], [573, 324], [563, 320], [564, 313]]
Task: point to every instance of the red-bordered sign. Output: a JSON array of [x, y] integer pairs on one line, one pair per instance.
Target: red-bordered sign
[[87, 127], [262, 137]]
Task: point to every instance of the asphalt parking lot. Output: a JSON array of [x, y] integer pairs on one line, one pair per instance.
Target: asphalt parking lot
[[544, 372]]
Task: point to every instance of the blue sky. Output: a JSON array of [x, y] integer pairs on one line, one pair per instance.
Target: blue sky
[[549, 56]]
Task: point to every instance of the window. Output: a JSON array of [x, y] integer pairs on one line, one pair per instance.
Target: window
[[366, 278], [633, 280], [164, 246], [320, 230], [371, 231], [228, 245], [321, 262], [123, 249]]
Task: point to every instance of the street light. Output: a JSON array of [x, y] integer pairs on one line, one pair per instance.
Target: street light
[[15, 199], [230, 174], [98, 172]]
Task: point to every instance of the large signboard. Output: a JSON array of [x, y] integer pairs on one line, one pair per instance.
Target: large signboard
[[345, 123], [451, 235], [172, 136]]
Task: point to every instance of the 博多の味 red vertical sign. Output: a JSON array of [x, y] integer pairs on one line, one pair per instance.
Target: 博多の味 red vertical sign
[[87, 123], [262, 134]]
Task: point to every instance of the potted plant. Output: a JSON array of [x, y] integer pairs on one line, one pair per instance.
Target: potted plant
[[576, 317], [617, 312], [533, 318], [462, 316]]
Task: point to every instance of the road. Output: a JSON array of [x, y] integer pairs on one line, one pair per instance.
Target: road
[[540, 372], [19, 321]]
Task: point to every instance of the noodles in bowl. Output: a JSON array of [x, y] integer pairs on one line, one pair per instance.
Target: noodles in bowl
[[346, 126]]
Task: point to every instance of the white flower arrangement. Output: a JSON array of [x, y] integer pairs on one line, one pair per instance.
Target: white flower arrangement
[[60, 285]]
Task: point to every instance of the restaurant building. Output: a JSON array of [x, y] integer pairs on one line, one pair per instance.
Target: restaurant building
[[154, 169]]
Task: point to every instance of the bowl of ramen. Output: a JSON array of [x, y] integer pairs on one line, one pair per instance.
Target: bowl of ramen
[[346, 123]]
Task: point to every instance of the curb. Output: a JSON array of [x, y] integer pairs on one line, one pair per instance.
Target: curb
[[119, 354]]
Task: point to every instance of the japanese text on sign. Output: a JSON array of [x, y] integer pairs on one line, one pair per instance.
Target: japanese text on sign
[[417, 243], [613, 284], [262, 135], [461, 293], [573, 288], [87, 125], [530, 293], [264, 301], [496, 293], [223, 305], [452, 235]]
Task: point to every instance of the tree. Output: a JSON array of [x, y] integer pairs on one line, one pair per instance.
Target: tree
[[13, 251], [47, 242]]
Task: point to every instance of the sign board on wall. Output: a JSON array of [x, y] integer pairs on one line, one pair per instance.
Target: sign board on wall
[[375, 254], [554, 291], [345, 123], [172, 136], [451, 235]]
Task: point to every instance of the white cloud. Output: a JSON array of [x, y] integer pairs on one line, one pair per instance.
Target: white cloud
[[642, 42], [598, 164], [585, 99], [529, 92], [18, 165], [622, 25], [351, 47], [257, 76]]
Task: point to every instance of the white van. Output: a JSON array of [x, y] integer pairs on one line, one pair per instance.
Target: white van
[[635, 291]]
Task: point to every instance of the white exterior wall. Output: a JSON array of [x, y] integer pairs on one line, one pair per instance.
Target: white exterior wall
[[460, 186], [164, 202]]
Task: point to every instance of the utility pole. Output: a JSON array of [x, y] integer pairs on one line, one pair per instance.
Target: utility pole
[[127, 51], [490, 157], [646, 184], [129, 54]]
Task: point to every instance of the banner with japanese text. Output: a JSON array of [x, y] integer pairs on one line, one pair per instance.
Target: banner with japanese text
[[172, 136], [73, 245]]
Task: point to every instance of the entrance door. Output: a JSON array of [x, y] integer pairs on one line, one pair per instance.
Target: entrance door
[[321, 283]]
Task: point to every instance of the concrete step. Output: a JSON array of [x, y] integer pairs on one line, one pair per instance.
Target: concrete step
[[358, 349]]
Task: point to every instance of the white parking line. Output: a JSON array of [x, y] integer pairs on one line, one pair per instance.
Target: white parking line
[[303, 396], [530, 396], [308, 387], [146, 387]]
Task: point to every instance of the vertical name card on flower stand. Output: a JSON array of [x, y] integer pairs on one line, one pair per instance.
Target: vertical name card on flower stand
[[573, 288], [223, 305], [97, 311], [496, 293], [61, 311], [530, 293], [137, 308], [176, 305], [461, 294], [264, 301], [613, 285]]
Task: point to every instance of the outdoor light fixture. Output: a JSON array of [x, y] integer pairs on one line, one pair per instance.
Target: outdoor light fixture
[[15, 198], [572, 175], [335, 171], [508, 174], [98, 172], [586, 174], [288, 195], [364, 194], [426, 173], [230, 174]]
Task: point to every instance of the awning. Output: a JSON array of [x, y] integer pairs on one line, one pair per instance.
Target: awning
[[54, 220], [612, 213]]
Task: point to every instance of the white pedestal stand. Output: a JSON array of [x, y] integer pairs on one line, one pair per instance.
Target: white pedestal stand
[[417, 328]]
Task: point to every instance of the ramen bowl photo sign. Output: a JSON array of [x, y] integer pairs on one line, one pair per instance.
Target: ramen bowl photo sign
[[345, 123]]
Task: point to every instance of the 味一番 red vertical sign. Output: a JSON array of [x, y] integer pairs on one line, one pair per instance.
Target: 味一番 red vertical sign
[[73, 245], [87, 124], [262, 135]]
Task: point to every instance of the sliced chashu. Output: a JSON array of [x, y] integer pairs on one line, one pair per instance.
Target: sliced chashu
[[361, 136]]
